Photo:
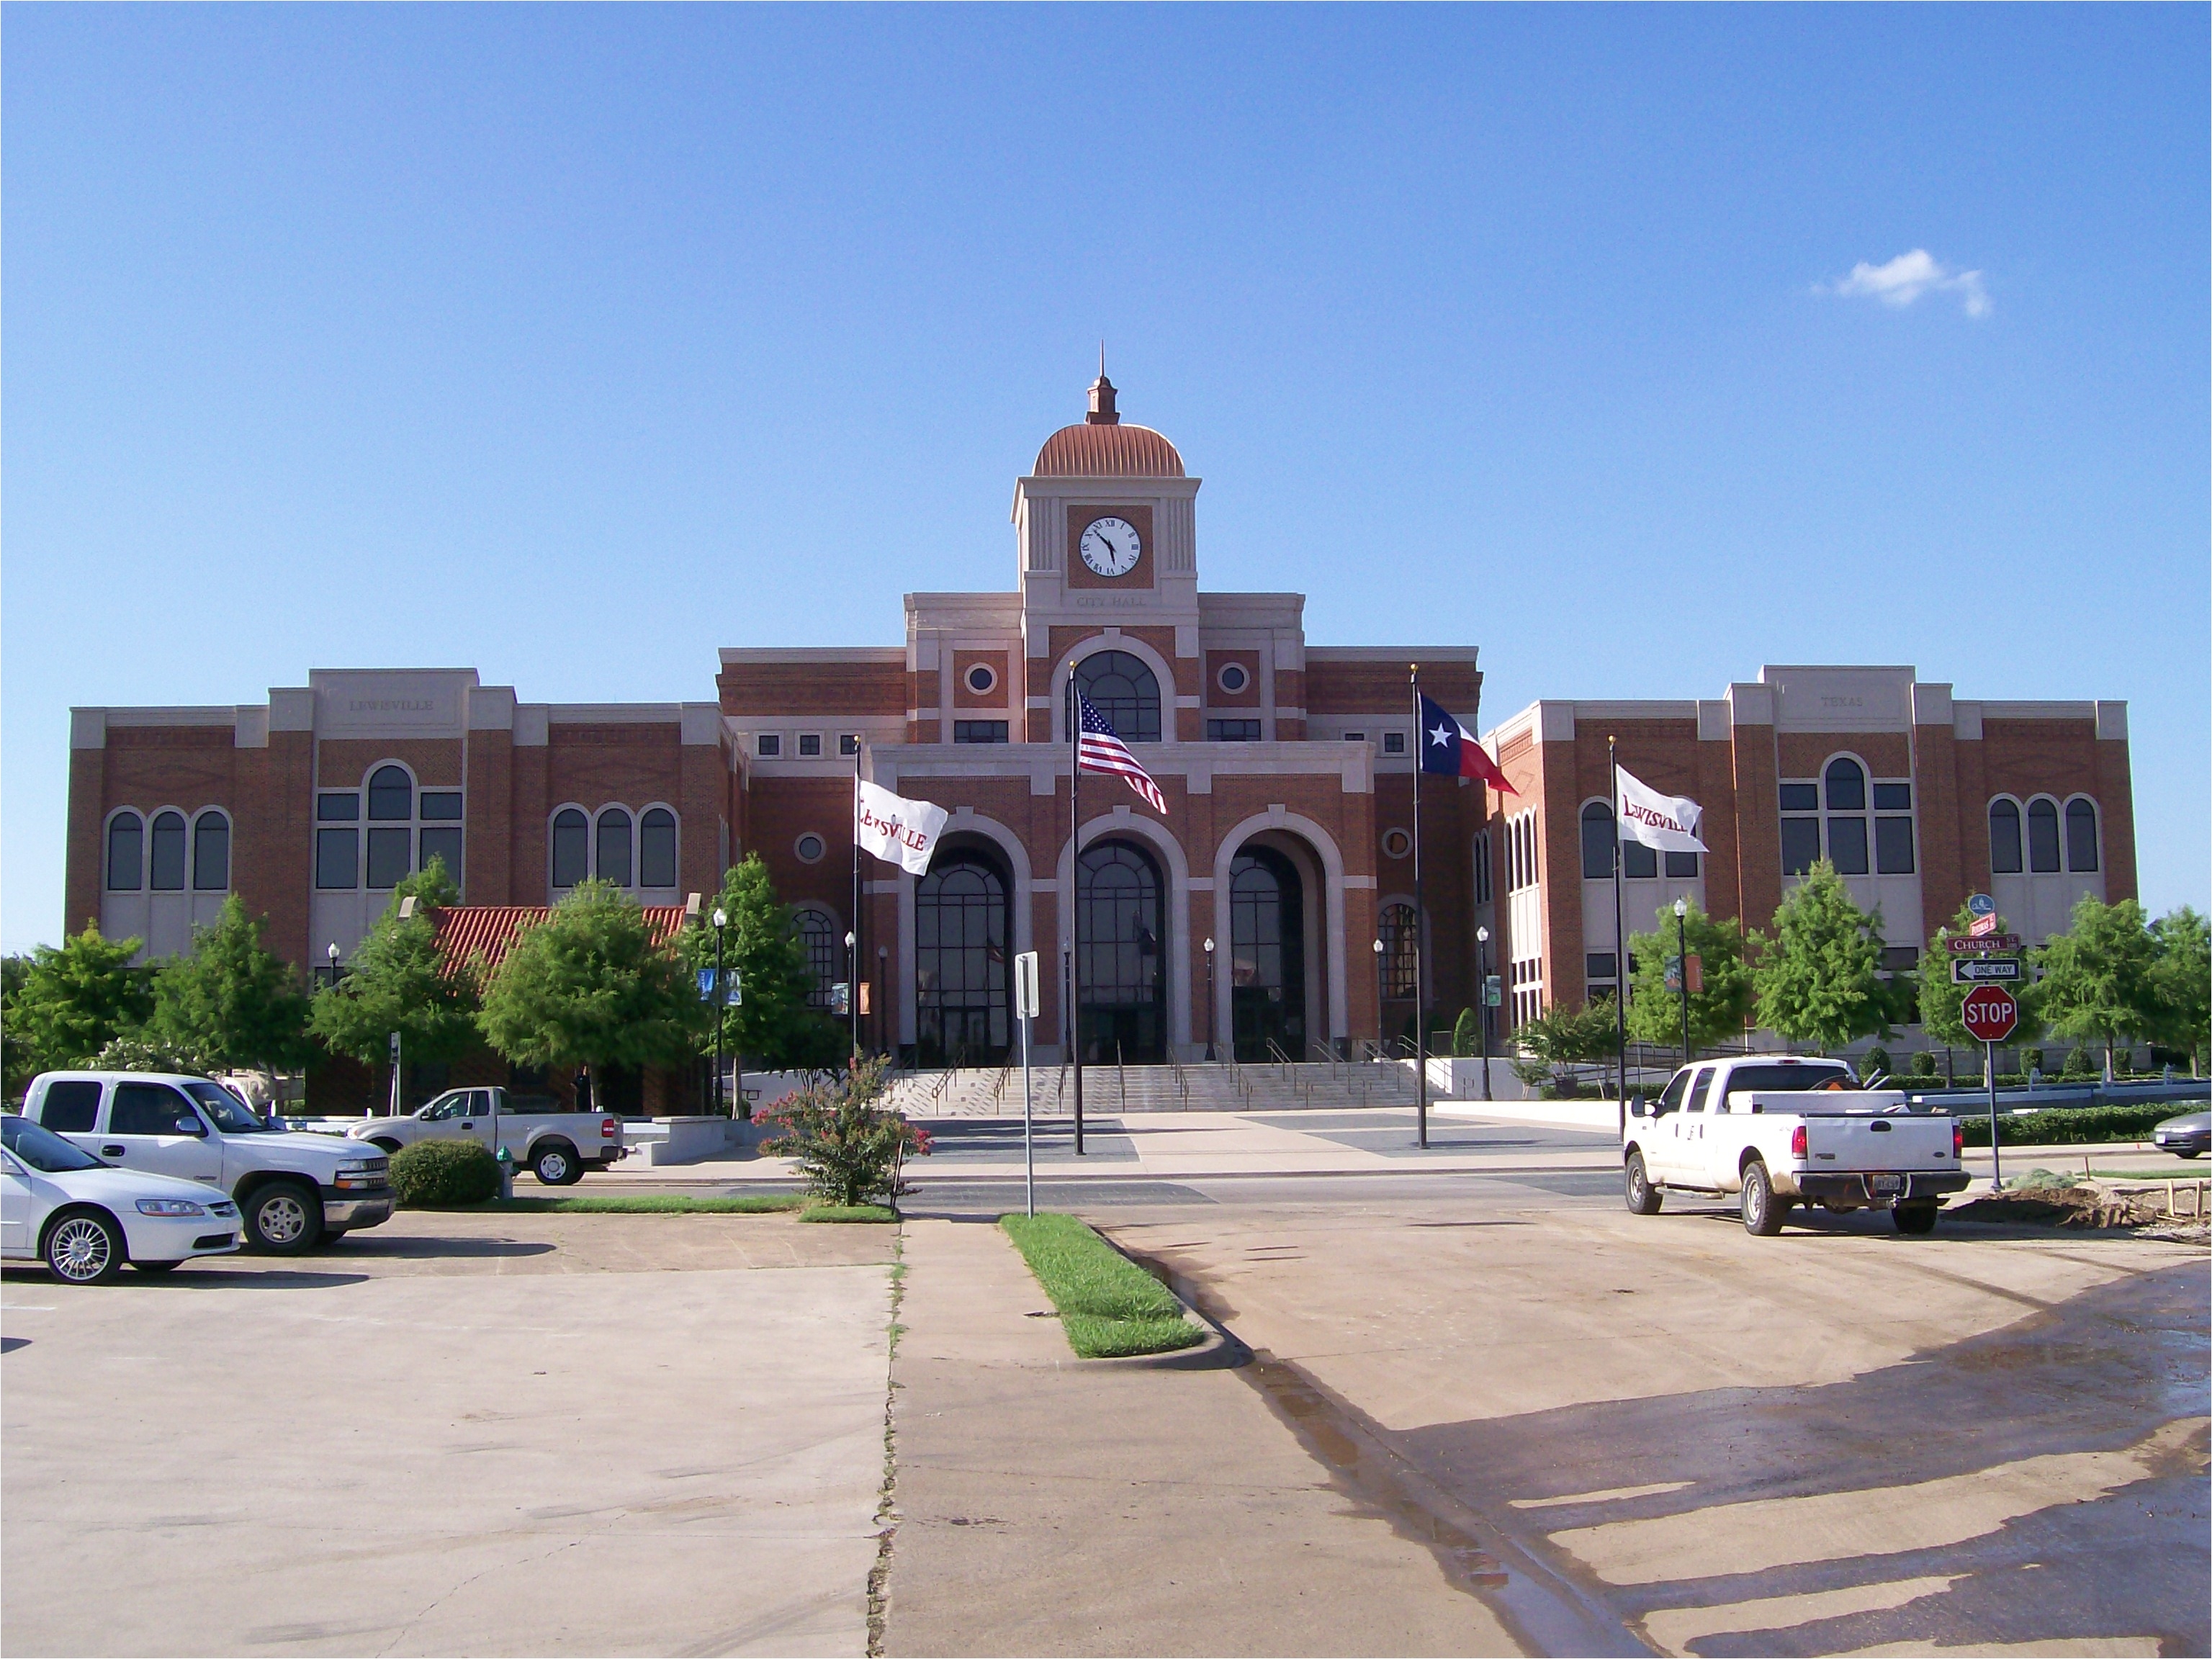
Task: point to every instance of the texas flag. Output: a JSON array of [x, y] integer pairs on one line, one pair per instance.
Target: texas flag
[[1449, 748]]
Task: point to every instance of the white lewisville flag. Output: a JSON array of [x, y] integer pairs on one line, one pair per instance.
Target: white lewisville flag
[[1668, 822], [895, 829]]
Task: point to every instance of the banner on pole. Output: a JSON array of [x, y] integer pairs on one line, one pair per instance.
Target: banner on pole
[[1670, 822], [897, 830]]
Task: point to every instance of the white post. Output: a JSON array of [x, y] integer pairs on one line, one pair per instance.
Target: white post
[[1025, 1008]]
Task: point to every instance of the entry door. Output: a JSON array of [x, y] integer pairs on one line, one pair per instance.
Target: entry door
[[141, 1134]]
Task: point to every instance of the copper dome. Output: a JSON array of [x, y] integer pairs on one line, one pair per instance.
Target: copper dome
[[1107, 452]]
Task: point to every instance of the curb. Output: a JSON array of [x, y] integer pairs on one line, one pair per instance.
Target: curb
[[1222, 1350]]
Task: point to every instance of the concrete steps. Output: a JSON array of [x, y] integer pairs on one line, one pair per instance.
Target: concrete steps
[[1108, 1091]]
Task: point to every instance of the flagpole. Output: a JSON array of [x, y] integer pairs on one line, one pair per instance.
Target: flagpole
[[1420, 943], [852, 967], [1074, 902], [1620, 951]]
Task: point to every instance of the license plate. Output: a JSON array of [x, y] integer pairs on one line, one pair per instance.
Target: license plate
[[1884, 1185]]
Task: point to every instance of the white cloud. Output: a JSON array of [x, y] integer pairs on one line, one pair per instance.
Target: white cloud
[[1908, 277]]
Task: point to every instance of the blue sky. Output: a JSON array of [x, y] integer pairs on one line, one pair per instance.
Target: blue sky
[[572, 344]]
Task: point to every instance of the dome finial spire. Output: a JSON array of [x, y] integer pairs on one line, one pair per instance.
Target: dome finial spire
[[1101, 396]]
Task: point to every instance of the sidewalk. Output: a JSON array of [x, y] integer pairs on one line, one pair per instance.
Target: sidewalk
[[1048, 1505]]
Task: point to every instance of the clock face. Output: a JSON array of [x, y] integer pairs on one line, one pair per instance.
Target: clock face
[[1110, 546]]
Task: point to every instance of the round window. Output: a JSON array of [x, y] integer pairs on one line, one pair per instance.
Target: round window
[[981, 678], [809, 848], [1396, 843], [1233, 677]]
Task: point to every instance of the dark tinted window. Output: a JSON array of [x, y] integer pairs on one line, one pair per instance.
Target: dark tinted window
[[43, 1150], [656, 848], [2004, 838], [1778, 1078], [444, 843], [442, 804], [1893, 798], [848, 743], [979, 730], [613, 863], [572, 835], [1800, 845], [1847, 845], [1800, 797], [771, 744], [2080, 835], [1600, 964], [810, 743], [147, 1109], [1846, 787], [338, 805], [391, 793], [126, 853], [211, 853], [1393, 743], [1232, 730], [1597, 842], [1123, 689], [1637, 861], [1682, 866], [1893, 846], [2043, 835], [337, 857], [168, 860], [1900, 958], [389, 852], [1700, 1089], [70, 1108]]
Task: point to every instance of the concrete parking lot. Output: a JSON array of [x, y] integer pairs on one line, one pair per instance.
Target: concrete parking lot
[[525, 1434]]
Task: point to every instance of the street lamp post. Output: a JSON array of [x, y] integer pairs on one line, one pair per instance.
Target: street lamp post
[[1482, 996], [1682, 968], [1209, 999], [853, 989], [331, 952], [883, 990], [1378, 996], [721, 1001]]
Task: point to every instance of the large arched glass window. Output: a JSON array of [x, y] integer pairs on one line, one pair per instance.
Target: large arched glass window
[[391, 793], [572, 838], [2004, 838], [656, 848], [825, 952], [1597, 841], [612, 862], [2043, 836], [168, 860], [1118, 903], [126, 853], [212, 854], [1845, 782], [1401, 963], [390, 847], [960, 961], [1266, 956], [1125, 691], [2080, 835]]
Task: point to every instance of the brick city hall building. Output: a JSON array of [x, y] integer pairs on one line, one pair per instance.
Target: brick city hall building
[[1286, 766]]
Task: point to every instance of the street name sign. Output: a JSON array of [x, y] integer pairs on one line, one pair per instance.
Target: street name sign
[[1985, 970], [1961, 945], [1989, 1013]]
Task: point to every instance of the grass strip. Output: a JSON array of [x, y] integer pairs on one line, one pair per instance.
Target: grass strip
[[848, 1213], [1109, 1306], [646, 1203], [2067, 1126]]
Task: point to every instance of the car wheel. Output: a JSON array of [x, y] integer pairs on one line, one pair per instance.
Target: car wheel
[[1641, 1197], [1763, 1212], [389, 1148], [156, 1267], [84, 1247], [283, 1218], [1914, 1218], [558, 1165]]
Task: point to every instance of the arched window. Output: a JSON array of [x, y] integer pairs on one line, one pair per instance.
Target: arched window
[[1118, 906], [1399, 945], [126, 853], [212, 854], [390, 847], [1124, 690], [572, 837], [1846, 782], [1846, 785], [1266, 956], [960, 961], [2004, 838], [1597, 841], [2080, 835], [656, 848], [391, 793], [612, 862], [2043, 836], [168, 860], [825, 952]]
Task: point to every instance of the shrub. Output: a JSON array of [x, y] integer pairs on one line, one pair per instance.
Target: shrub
[[2081, 1063], [2031, 1060], [2064, 1126], [435, 1174], [1467, 1034], [136, 1051], [849, 1145], [1924, 1063], [1877, 1063]]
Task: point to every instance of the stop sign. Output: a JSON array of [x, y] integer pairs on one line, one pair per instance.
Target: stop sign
[[1989, 1013]]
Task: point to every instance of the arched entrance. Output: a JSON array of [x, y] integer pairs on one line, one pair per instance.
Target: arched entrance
[[1124, 1007], [962, 1013], [1268, 955]]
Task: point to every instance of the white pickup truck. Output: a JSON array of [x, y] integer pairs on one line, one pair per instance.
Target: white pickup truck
[[1781, 1130], [556, 1146]]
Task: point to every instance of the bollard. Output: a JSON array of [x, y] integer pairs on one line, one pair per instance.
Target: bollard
[[505, 1174]]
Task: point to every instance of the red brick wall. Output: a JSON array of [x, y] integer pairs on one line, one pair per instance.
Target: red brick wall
[[816, 689]]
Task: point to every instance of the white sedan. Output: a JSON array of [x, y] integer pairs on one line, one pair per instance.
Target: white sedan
[[85, 1218]]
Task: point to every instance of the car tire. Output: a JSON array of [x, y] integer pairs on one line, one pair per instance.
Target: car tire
[[83, 1246], [1637, 1190], [284, 1218], [1763, 1212], [156, 1267], [1916, 1219], [389, 1148], [556, 1164]]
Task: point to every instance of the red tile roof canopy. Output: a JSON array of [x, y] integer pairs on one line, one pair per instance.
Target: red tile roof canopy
[[1101, 451], [490, 930]]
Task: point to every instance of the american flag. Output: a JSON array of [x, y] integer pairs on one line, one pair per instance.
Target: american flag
[[1099, 750]]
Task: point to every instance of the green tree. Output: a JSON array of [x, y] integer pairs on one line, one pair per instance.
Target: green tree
[[397, 982], [1815, 979], [588, 987], [1563, 1038], [2099, 978], [1718, 1011], [773, 1027], [1467, 1033], [2182, 981], [17, 1063], [71, 1001], [232, 1003]]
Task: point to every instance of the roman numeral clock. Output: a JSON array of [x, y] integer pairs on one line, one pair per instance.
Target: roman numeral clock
[[1111, 547]]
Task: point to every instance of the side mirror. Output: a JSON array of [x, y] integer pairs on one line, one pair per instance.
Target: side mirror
[[188, 1125], [1636, 1106]]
